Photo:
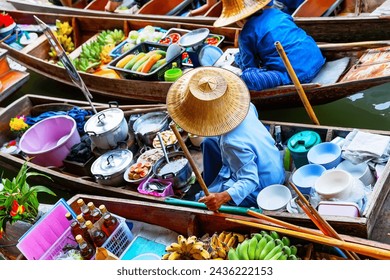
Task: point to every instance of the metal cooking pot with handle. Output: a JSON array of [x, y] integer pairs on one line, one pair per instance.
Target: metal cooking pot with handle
[[107, 128], [178, 169], [147, 126], [108, 169]]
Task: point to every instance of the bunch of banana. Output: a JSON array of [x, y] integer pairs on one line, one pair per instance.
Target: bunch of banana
[[264, 246], [63, 34], [220, 244], [186, 249], [110, 37]]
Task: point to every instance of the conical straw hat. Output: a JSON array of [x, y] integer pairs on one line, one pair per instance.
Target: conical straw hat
[[235, 10], [208, 101]]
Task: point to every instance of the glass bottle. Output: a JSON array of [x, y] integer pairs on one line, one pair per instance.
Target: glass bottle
[[84, 209], [84, 230], [95, 212], [74, 225], [110, 223], [98, 236], [87, 251], [103, 209]]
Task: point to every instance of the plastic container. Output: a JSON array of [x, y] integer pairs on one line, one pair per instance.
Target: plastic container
[[334, 184], [338, 208], [171, 75], [157, 74], [305, 177], [167, 192], [327, 154], [274, 197], [49, 141], [46, 232], [300, 143]]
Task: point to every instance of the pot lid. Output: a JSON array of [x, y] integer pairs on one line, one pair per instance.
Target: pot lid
[[150, 122], [112, 162], [104, 121], [195, 37], [302, 142]]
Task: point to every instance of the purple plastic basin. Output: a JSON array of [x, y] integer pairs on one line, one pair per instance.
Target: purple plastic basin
[[49, 141]]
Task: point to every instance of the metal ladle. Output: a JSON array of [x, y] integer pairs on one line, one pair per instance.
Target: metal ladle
[[74, 75], [163, 147]]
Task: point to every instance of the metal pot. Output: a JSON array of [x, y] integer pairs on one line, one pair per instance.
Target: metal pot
[[178, 169], [147, 126], [108, 169], [107, 128]]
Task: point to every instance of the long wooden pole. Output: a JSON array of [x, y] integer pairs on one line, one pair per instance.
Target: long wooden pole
[[190, 159], [296, 82], [373, 252]]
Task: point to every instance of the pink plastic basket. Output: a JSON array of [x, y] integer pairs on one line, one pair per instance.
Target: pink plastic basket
[[39, 238], [167, 192]]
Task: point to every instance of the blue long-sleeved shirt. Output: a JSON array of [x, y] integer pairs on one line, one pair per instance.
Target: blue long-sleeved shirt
[[250, 161], [257, 49]]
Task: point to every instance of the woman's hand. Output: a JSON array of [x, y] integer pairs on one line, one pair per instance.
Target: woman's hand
[[214, 200]]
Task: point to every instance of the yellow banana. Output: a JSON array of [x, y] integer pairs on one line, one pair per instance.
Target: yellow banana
[[205, 254], [196, 248], [174, 247], [227, 237], [221, 252], [188, 245], [214, 255], [240, 237], [232, 242], [174, 256], [197, 256], [214, 241], [221, 236], [192, 238], [165, 256], [181, 239]]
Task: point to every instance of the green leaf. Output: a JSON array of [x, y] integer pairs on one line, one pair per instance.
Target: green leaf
[[44, 189]]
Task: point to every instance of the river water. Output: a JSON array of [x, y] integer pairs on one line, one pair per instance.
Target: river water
[[368, 109]]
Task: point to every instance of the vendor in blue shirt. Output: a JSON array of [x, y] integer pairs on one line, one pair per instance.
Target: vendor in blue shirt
[[239, 154], [258, 58]]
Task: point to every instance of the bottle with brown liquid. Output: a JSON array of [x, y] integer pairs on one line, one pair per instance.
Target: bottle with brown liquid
[[87, 251], [98, 236], [84, 209], [74, 225], [95, 212], [110, 223], [84, 230]]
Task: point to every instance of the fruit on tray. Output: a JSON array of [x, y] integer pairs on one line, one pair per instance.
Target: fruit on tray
[[63, 34], [143, 62], [186, 249]]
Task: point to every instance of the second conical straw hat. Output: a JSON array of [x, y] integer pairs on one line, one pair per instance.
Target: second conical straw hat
[[208, 101], [235, 10]]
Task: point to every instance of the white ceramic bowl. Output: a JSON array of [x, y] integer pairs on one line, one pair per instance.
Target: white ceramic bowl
[[360, 171], [327, 154], [334, 184], [273, 197]]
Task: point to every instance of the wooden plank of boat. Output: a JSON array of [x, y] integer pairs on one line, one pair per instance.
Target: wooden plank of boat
[[10, 79], [35, 56], [187, 221], [356, 25], [63, 179]]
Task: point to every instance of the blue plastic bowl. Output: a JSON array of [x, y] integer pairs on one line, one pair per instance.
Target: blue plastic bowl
[[327, 154], [305, 177]]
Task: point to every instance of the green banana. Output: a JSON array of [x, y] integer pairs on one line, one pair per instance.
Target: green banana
[[252, 248], [260, 246], [286, 250], [263, 233], [269, 237], [277, 256], [274, 234], [258, 236], [286, 240], [243, 253], [279, 242], [268, 248], [283, 257], [292, 257], [274, 251], [238, 249], [232, 254], [294, 250]]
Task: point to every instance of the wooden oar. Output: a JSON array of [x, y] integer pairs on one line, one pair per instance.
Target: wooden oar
[[346, 46], [190, 159], [373, 252], [297, 84], [321, 223]]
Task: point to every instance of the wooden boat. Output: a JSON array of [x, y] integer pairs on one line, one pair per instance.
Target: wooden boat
[[65, 178], [352, 23], [187, 221], [10, 79], [35, 57]]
